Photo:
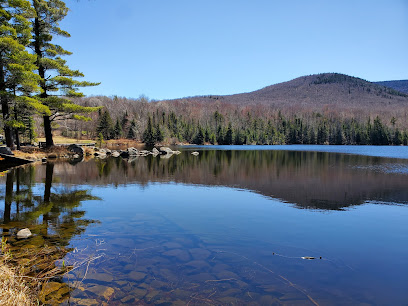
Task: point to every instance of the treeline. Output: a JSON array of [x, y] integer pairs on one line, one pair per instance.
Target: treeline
[[249, 129]]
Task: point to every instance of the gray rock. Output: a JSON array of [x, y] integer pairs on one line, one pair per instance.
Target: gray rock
[[144, 153], [133, 151], [6, 150], [76, 149], [100, 154], [24, 233]]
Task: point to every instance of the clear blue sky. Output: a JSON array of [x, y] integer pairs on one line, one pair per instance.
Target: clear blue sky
[[178, 48]]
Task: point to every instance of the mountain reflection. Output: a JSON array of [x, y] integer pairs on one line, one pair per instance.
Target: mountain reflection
[[316, 180]]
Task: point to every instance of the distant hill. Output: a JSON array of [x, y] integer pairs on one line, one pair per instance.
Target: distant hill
[[401, 85], [326, 89]]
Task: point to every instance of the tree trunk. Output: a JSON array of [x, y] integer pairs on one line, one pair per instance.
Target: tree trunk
[[16, 130], [17, 139], [49, 142], [8, 132]]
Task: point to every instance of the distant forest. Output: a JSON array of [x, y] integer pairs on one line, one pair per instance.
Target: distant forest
[[225, 124]]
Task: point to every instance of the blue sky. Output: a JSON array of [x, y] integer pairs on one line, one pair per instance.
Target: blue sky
[[177, 48]]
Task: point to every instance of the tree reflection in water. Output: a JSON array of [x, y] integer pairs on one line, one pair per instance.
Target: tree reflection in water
[[54, 219]]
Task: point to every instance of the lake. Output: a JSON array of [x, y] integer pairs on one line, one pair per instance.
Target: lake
[[235, 225]]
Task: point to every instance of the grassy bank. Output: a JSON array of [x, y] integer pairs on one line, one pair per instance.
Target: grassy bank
[[13, 289]]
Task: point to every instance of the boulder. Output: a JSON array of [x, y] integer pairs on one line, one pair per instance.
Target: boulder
[[133, 151], [24, 233], [155, 152], [100, 154], [144, 153], [129, 152], [74, 148], [6, 150], [166, 150], [195, 153]]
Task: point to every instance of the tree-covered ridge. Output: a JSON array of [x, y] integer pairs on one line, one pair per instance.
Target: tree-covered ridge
[[378, 89], [400, 85]]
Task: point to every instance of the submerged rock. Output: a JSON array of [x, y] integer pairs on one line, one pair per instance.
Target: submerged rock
[[101, 290], [24, 233], [101, 277], [137, 276]]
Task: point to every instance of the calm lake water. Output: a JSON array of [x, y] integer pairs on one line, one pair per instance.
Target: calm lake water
[[231, 226]]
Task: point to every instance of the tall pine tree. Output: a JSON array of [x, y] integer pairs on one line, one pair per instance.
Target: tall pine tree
[[58, 81], [17, 80]]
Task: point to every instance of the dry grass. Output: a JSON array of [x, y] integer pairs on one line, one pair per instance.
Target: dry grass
[[66, 140], [13, 290]]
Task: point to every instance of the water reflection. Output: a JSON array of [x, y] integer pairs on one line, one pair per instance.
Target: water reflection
[[177, 244], [315, 180]]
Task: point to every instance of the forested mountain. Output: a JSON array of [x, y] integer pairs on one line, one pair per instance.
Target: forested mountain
[[327, 89], [401, 85], [327, 108]]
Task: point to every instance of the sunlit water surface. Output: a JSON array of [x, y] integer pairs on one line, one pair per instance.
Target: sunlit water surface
[[227, 227]]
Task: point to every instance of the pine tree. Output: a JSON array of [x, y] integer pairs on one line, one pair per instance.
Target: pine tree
[[199, 138], [56, 76], [117, 131], [158, 135], [17, 80], [105, 125], [132, 130], [228, 135], [149, 134]]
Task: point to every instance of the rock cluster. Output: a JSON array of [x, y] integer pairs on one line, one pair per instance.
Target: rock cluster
[[164, 152]]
